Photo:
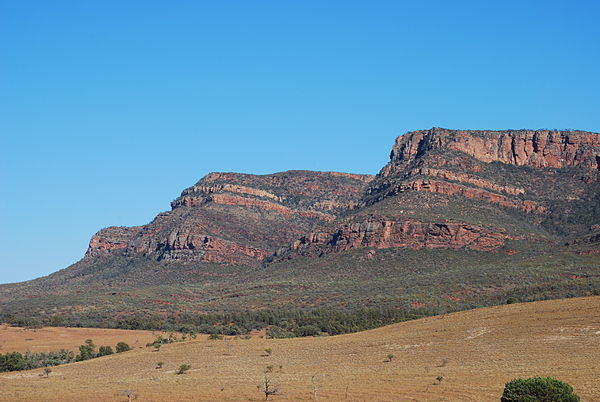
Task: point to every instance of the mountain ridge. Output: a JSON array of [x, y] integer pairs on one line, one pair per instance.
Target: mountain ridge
[[512, 213]]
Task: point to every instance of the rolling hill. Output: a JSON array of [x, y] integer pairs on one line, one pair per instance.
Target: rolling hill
[[473, 352]]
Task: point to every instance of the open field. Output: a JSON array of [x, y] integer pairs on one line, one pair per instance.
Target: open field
[[475, 351], [50, 339]]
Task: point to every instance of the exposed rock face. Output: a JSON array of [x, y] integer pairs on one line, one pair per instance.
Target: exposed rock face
[[383, 233], [538, 149], [113, 238], [237, 218]]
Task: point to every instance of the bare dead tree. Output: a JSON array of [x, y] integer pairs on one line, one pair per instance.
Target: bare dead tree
[[314, 386], [268, 388]]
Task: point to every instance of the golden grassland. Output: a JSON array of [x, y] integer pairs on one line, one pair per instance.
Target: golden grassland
[[49, 339], [476, 352]]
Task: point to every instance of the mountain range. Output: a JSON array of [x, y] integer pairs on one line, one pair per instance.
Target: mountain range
[[456, 219]]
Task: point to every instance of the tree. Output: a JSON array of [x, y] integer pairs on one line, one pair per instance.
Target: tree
[[47, 371], [538, 389], [122, 347], [390, 357], [105, 351], [87, 351], [268, 388]]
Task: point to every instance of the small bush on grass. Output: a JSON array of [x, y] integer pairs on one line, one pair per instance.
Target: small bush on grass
[[183, 368]]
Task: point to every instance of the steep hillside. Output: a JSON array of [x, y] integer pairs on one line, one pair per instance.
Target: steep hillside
[[456, 219], [475, 352]]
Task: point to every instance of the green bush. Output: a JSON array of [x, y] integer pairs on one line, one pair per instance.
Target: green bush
[[122, 347], [105, 351], [183, 368], [87, 351], [538, 389]]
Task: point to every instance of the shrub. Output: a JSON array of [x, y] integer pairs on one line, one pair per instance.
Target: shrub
[[268, 351], [159, 365], [308, 330], [122, 347], [538, 389], [105, 351], [183, 368], [213, 337], [278, 333]]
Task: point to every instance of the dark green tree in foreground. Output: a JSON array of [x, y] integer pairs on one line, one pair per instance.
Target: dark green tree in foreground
[[538, 389]]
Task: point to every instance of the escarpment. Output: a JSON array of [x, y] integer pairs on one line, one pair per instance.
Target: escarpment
[[455, 189], [236, 218], [524, 175]]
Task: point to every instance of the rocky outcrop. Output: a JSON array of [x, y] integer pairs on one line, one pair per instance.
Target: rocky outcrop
[[452, 189], [381, 232], [538, 149], [467, 178], [111, 239], [236, 218]]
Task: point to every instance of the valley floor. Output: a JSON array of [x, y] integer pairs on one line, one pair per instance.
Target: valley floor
[[476, 352]]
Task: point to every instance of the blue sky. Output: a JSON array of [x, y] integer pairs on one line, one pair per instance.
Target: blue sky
[[108, 109]]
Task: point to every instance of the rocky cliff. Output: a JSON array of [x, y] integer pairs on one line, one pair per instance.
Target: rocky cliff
[[537, 149], [531, 177], [236, 218]]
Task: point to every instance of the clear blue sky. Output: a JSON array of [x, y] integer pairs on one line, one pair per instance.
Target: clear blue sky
[[108, 109]]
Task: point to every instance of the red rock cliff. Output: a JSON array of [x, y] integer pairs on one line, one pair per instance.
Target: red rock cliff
[[539, 148]]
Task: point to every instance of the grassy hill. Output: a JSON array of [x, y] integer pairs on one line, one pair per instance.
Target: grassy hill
[[475, 352]]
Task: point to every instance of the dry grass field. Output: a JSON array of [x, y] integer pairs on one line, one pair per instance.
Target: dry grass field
[[475, 352], [16, 339]]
